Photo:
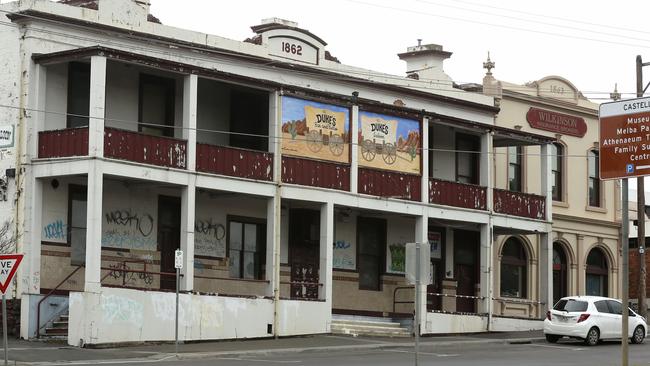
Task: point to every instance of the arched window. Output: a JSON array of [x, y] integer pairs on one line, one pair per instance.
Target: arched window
[[513, 269], [596, 273], [559, 272], [594, 178], [557, 156]]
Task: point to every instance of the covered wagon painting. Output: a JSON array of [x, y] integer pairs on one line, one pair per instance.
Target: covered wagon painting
[[315, 130], [387, 142]]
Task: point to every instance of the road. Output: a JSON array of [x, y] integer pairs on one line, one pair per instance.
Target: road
[[542, 354]]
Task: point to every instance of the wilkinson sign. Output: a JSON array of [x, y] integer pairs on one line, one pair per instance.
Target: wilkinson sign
[[556, 122]]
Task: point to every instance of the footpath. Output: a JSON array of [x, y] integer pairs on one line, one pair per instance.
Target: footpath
[[48, 353]]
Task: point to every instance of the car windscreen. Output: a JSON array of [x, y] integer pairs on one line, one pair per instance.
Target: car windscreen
[[570, 305]]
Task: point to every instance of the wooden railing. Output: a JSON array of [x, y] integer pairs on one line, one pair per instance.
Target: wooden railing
[[519, 204], [63, 143], [455, 194], [389, 184], [146, 149], [315, 173], [234, 162]]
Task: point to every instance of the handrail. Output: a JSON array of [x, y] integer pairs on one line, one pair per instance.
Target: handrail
[[38, 307], [395, 302], [231, 279]]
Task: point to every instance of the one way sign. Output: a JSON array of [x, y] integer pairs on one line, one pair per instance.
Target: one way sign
[[8, 265]]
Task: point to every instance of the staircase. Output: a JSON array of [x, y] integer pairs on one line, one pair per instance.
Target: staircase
[[59, 328], [367, 326]]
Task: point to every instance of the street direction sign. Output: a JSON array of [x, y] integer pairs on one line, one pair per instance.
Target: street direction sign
[[625, 139], [178, 259], [8, 265]]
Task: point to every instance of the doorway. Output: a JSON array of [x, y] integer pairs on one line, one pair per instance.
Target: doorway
[[304, 252], [466, 244], [169, 238], [559, 273], [371, 239], [436, 239]]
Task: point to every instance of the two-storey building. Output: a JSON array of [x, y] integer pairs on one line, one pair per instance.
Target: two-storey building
[[290, 181]]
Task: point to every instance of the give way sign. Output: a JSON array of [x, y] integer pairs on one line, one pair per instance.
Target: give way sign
[[8, 265]]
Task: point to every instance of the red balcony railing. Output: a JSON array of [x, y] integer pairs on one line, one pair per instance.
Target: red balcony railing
[[519, 204], [463, 195], [234, 162], [63, 143], [315, 173], [385, 183], [146, 149]]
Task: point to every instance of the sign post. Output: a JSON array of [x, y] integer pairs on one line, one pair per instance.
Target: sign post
[[625, 153], [178, 263], [418, 259], [8, 265]]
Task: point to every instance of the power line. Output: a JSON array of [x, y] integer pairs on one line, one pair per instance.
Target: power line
[[342, 77], [269, 137]]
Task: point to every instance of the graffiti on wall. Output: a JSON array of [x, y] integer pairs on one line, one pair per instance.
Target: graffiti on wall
[[343, 255], [397, 260], [209, 238], [128, 229], [121, 309], [56, 230]]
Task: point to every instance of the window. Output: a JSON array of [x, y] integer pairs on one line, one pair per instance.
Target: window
[[601, 306], [246, 248], [515, 159], [571, 305], [156, 110], [557, 154], [513, 269], [467, 163], [596, 273], [77, 199], [78, 94], [594, 179], [615, 307]]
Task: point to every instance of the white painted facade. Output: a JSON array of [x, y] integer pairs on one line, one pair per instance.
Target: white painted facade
[[122, 223]]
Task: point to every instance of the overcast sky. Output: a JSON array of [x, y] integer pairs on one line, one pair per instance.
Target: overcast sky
[[592, 43]]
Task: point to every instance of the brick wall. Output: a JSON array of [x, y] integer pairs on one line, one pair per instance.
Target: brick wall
[[13, 317]]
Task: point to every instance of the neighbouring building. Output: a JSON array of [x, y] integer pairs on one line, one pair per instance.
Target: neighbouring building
[[586, 211], [290, 181]]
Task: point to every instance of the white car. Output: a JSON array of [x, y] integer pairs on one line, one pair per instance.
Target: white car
[[591, 318]]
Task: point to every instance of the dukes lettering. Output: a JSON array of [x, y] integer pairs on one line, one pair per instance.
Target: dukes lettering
[[326, 118], [380, 127]]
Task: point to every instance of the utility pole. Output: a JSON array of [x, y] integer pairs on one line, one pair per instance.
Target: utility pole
[[640, 198]]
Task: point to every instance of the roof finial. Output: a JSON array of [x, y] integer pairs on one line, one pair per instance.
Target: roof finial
[[489, 65], [419, 42], [615, 95]]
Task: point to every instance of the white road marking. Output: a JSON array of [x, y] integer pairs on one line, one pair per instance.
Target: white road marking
[[257, 360], [558, 347], [100, 362], [425, 353]]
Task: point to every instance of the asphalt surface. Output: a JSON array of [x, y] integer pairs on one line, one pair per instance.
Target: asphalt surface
[[524, 348]]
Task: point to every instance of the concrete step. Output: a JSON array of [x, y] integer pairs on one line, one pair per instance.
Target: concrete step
[[56, 331], [60, 324], [376, 328], [371, 323]]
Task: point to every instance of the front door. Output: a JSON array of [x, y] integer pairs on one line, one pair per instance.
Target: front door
[[371, 237], [436, 238], [466, 244], [304, 252], [169, 238]]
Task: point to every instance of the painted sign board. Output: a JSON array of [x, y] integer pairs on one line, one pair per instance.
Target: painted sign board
[[8, 266], [315, 130], [625, 139], [7, 136], [564, 124], [389, 143]]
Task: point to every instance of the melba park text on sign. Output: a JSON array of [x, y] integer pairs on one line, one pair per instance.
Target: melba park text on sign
[[625, 139]]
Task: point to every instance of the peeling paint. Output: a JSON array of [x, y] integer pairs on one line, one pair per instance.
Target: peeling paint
[[455, 194], [234, 162], [519, 204]]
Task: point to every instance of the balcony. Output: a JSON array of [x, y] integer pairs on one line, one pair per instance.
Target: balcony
[[519, 204], [449, 193], [234, 162], [390, 184], [147, 149], [315, 173], [63, 143]]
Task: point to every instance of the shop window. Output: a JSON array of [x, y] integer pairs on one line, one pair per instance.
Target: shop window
[[246, 249], [513, 269], [597, 273], [557, 170], [156, 109], [594, 179], [467, 158], [515, 163], [78, 94], [77, 213]]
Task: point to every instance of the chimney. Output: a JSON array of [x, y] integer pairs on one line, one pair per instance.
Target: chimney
[[425, 61], [124, 12]]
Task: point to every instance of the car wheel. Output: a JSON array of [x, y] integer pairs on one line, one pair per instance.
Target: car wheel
[[592, 337], [552, 338], [639, 335]]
